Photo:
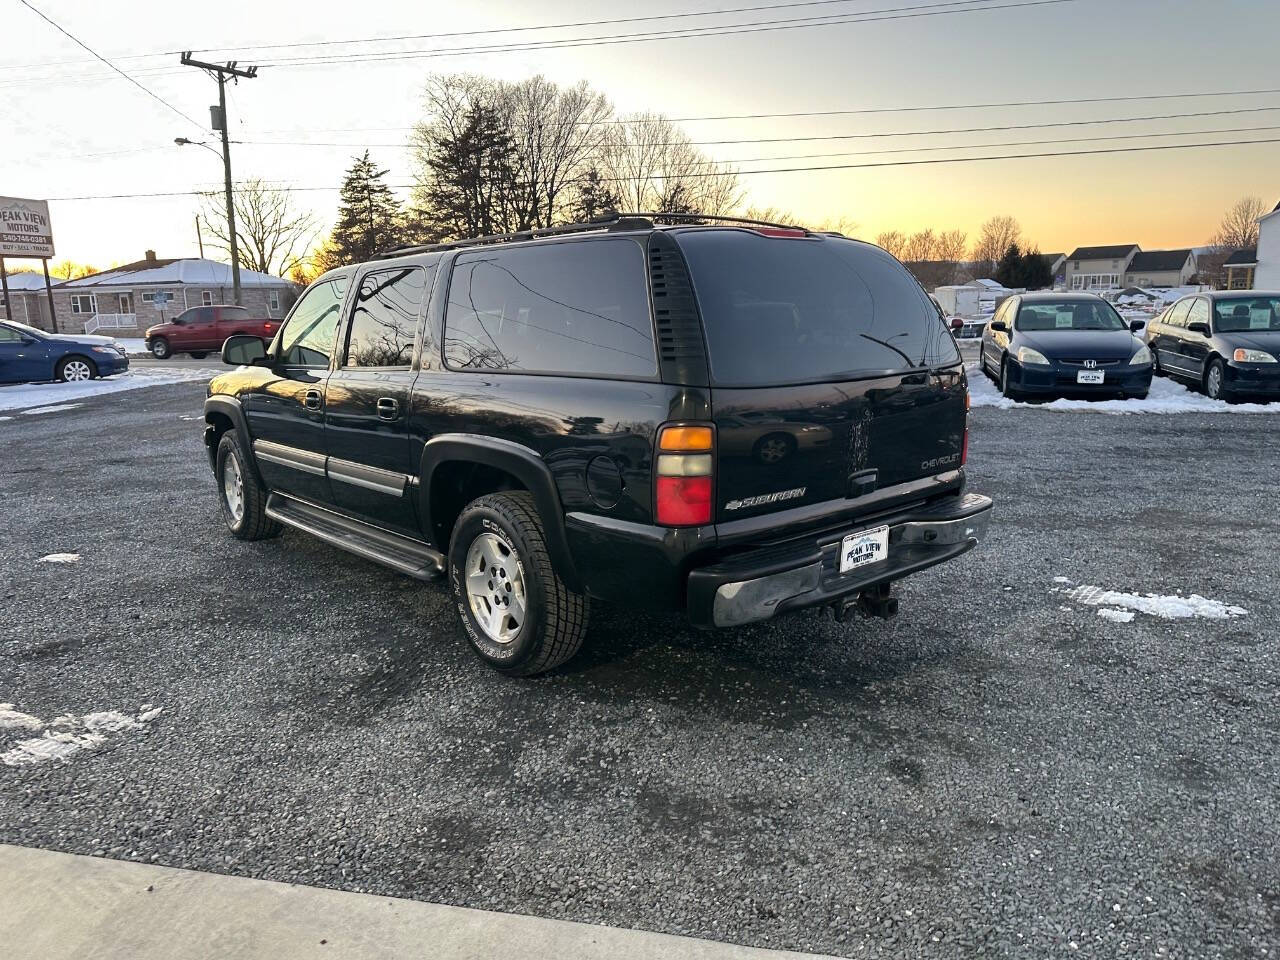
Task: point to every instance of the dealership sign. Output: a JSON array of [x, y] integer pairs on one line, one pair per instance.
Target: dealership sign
[[24, 228]]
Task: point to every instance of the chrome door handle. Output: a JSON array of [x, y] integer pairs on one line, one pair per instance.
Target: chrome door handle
[[312, 400], [388, 408]]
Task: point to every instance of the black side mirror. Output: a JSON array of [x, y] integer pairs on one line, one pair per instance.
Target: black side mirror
[[1136, 326], [1198, 327], [244, 350], [999, 326]]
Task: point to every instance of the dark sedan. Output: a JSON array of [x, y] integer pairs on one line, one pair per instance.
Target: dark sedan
[[1063, 344], [1226, 343], [28, 355]]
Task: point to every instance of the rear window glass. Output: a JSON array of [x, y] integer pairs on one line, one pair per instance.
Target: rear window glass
[[793, 311], [570, 308]]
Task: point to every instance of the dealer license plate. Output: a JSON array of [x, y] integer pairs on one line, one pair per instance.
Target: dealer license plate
[[863, 548], [1090, 376]]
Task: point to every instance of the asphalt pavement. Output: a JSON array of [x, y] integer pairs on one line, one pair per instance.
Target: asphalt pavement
[[1000, 771]]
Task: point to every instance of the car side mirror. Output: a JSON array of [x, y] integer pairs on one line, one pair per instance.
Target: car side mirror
[[999, 326], [1198, 327], [244, 350], [1136, 326]]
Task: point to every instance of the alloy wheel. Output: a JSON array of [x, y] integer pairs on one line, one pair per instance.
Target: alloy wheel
[[76, 370], [1213, 383], [495, 588], [773, 450], [233, 488]]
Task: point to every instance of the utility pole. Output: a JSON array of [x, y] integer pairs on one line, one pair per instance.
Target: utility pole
[[199, 237], [219, 116]]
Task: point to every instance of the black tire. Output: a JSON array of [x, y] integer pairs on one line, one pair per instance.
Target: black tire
[[1220, 391], [159, 348], [774, 448], [1155, 364], [1005, 389], [555, 618], [252, 522], [199, 354], [69, 369]]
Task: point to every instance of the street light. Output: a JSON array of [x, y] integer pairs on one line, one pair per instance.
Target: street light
[[231, 221]]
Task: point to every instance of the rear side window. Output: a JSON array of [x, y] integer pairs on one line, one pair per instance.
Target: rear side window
[[384, 321], [571, 308], [782, 311], [1178, 315]]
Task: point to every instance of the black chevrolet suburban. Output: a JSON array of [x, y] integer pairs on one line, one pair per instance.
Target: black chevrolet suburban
[[730, 419]]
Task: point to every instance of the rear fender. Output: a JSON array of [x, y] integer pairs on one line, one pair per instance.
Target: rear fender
[[520, 462]]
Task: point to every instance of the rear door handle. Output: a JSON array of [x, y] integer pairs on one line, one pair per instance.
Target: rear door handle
[[312, 400], [388, 408]]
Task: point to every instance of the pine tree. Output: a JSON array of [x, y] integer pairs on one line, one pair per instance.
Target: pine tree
[[368, 216], [1035, 273], [1009, 268], [471, 188], [593, 197]]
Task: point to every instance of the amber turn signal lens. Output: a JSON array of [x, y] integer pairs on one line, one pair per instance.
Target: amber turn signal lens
[[685, 438]]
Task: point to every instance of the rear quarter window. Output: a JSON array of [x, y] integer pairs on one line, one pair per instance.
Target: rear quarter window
[[573, 308], [782, 310]]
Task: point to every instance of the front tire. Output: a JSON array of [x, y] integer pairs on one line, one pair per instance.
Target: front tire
[[1006, 388], [243, 499], [159, 348], [1215, 381], [75, 369], [518, 615]]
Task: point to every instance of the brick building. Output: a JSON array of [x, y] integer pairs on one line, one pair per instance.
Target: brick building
[[123, 301]]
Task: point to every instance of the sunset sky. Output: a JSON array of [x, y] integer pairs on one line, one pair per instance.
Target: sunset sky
[[72, 128]]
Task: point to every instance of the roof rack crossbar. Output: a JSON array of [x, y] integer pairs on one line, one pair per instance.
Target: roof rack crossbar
[[611, 221]]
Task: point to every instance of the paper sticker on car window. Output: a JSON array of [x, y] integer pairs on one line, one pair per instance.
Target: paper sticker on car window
[[1260, 319], [1065, 320]]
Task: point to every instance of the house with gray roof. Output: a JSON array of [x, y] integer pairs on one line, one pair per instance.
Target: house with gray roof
[[1161, 268], [1100, 268]]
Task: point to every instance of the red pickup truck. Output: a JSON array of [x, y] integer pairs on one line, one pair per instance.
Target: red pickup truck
[[202, 330]]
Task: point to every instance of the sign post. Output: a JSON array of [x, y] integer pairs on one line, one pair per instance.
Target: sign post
[[25, 231]]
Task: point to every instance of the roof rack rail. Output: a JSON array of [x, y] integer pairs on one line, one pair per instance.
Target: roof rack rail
[[610, 222]]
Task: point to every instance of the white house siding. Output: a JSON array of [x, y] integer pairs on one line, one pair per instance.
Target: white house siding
[[1267, 276]]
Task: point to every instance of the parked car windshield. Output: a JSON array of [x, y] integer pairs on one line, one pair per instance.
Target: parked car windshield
[[1241, 314], [779, 311], [1068, 315]]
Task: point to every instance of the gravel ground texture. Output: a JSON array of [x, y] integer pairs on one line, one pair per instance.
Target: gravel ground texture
[[1000, 771]]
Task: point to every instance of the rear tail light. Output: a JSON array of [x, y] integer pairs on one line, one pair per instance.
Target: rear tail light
[[683, 484]]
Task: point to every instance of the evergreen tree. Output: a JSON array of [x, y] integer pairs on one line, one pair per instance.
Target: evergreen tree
[[1009, 267], [1035, 273], [471, 188], [593, 197], [368, 216]]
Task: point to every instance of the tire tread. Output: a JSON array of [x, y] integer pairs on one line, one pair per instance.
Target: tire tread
[[257, 525]]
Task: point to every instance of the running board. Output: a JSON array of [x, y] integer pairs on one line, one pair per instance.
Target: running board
[[398, 552]]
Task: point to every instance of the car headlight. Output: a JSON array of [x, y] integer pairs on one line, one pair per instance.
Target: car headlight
[[106, 349], [1253, 356], [1142, 356], [1027, 355]]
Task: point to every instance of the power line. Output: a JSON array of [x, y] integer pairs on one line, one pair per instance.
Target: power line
[[838, 136], [763, 26], [81, 43], [844, 166]]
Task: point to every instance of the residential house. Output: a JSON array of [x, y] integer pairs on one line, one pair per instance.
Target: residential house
[[126, 300], [29, 300], [1056, 262], [1240, 268], [1267, 276], [1161, 268], [1099, 268]]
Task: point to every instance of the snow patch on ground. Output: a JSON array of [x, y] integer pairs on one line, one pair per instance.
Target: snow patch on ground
[[1167, 396], [56, 408], [25, 395], [1062, 580], [1116, 616], [72, 735], [60, 558], [1156, 605]]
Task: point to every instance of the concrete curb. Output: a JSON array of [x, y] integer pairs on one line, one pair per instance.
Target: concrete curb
[[59, 905]]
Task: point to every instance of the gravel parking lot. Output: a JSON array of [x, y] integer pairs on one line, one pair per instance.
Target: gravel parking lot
[[999, 771]]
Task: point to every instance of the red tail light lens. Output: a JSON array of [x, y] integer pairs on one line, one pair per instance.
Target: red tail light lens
[[683, 487]]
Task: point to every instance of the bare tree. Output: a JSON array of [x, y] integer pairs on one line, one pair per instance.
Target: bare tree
[[894, 242], [274, 236], [951, 246], [1239, 227], [995, 238], [920, 247], [654, 166]]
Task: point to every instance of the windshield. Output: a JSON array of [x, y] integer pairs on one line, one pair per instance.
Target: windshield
[[24, 328], [1242, 314], [1069, 315], [786, 311]]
